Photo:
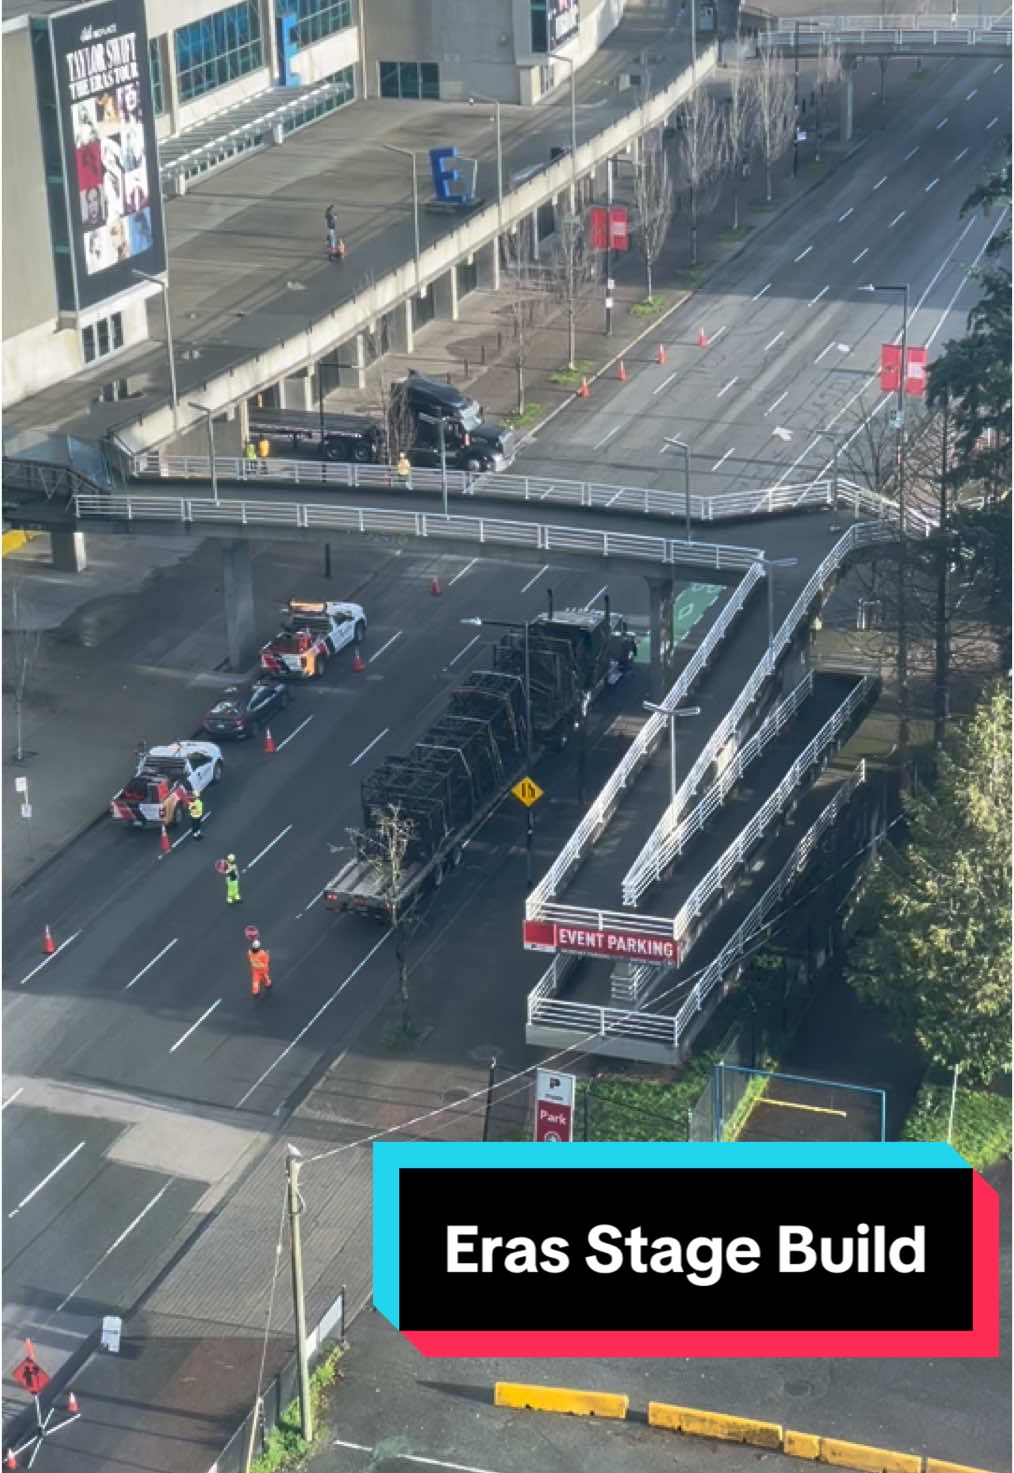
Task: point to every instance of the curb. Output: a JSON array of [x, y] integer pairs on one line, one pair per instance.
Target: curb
[[725, 1427]]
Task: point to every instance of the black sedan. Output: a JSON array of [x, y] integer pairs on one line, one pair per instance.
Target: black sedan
[[246, 709]]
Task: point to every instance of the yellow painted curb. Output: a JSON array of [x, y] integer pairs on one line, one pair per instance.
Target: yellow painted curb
[[560, 1399], [13, 540], [937, 1465], [869, 1459], [801, 1444], [714, 1424]]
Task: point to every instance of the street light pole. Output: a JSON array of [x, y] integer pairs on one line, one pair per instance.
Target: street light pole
[[496, 105], [679, 445], [836, 440], [211, 447], [292, 1164], [163, 286], [673, 717], [569, 61], [769, 565], [410, 153]]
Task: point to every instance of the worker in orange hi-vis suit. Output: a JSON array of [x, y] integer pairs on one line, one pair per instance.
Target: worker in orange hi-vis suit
[[260, 968]]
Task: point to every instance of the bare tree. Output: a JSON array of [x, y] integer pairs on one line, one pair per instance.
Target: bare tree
[[828, 73], [572, 274], [522, 291], [396, 414], [22, 649], [700, 155], [737, 134], [771, 110], [384, 847], [653, 200]]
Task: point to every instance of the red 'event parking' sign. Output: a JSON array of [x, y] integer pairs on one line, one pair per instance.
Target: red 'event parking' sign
[[616, 945]]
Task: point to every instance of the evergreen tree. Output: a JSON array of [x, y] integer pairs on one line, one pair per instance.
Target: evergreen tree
[[934, 950]]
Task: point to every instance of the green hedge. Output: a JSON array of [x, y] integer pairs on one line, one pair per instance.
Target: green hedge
[[982, 1122]]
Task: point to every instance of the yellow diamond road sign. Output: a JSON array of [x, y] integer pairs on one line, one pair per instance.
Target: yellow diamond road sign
[[527, 792]]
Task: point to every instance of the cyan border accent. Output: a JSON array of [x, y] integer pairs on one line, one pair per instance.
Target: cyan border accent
[[390, 1157]]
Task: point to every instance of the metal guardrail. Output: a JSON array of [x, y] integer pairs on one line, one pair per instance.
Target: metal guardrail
[[482, 531], [748, 838], [658, 849], [45, 478], [903, 39], [539, 904], [545, 1010], [728, 506], [884, 21]]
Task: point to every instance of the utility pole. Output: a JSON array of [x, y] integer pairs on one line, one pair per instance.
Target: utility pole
[[292, 1164], [795, 106], [942, 703]]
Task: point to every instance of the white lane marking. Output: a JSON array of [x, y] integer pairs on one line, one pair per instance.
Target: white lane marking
[[379, 737], [607, 436], [113, 1246], [772, 407], [46, 960], [194, 1026], [848, 212], [665, 383], [307, 1026], [932, 184], [911, 153], [462, 571], [535, 579], [724, 458], [998, 68], [823, 292], [319, 896], [864, 252], [267, 848], [474, 640], [596, 596], [360, 1447], [992, 123], [716, 334], [781, 433], [154, 959], [943, 123], [727, 387], [823, 352], [803, 254], [775, 339], [899, 216], [969, 95], [305, 722], [879, 183], [11, 1098], [386, 646], [46, 1179], [801, 456], [959, 156], [757, 295], [188, 833]]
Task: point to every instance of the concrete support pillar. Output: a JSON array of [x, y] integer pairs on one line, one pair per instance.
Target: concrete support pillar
[[488, 262], [848, 97], [402, 329], [351, 361], [67, 551], [296, 392], [445, 294], [660, 616], [534, 221], [243, 416], [241, 632]]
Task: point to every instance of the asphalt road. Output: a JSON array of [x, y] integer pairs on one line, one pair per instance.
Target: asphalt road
[[148, 996]]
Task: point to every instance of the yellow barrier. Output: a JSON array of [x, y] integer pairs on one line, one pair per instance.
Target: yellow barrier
[[13, 540], [801, 1444], [937, 1465], [560, 1399], [714, 1424], [868, 1459]]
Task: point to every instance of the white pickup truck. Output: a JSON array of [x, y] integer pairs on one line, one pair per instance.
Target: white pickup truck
[[312, 631], [164, 774]]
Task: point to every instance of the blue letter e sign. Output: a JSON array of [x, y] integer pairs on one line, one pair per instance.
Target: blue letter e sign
[[443, 175]]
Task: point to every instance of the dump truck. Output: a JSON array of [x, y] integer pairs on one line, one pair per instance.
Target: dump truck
[[442, 791]]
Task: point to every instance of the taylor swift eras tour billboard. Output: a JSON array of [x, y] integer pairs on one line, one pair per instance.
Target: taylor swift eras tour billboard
[[103, 84]]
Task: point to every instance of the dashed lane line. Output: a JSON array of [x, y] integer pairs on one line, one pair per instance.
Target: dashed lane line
[[899, 216], [665, 383], [474, 640], [11, 1098], [777, 338], [772, 407], [992, 123], [596, 596], [194, 1026], [462, 571], [267, 848], [757, 295], [305, 722], [379, 737], [931, 185], [942, 123], [536, 577], [864, 252], [959, 156], [51, 958], [113, 1246], [879, 183], [848, 212], [418, 1458], [724, 458], [803, 254], [386, 646], [607, 437], [46, 1179], [150, 964], [727, 387], [822, 293], [911, 153]]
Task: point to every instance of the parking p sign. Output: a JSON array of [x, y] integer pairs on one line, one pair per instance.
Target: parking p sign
[[554, 1106]]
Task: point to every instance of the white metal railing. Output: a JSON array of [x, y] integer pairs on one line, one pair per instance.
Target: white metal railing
[[903, 37], [658, 849], [483, 531], [748, 837], [545, 1010], [539, 904], [728, 505]]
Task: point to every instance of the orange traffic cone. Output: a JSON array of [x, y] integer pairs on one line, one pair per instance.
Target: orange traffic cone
[[163, 842], [702, 338], [48, 944], [584, 392], [10, 1461], [72, 1405], [358, 663], [435, 587], [269, 742], [661, 353], [622, 372]]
